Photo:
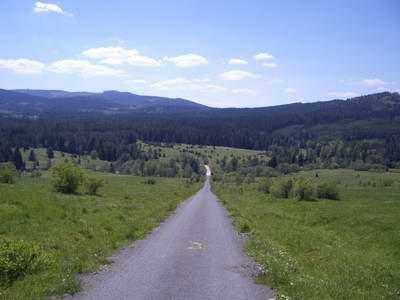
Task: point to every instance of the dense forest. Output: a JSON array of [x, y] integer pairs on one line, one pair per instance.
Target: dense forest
[[362, 131]]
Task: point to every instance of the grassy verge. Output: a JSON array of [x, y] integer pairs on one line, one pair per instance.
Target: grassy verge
[[346, 249], [79, 232]]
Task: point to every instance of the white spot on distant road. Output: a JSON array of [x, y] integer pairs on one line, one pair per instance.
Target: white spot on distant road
[[208, 170], [195, 246]]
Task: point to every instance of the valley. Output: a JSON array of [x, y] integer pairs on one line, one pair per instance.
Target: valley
[[77, 186]]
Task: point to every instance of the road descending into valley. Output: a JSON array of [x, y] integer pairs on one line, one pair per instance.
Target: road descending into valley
[[195, 254]]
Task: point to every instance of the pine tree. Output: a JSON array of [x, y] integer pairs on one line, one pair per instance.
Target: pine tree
[[273, 163], [32, 156], [50, 153], [300, 160], [17, 160]]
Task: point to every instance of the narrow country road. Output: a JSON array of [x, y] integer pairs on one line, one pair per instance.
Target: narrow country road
[[195, 254]]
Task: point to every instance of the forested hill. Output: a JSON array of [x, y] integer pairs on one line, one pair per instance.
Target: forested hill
[[46, 103], [365, 128], [49, 102]]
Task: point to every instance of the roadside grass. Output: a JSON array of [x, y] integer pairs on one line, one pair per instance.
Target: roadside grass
[[79, 231], [325, 249]]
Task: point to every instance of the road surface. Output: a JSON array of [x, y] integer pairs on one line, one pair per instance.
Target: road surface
[[195, 254]]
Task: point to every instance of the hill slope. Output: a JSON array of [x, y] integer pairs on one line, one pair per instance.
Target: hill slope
[[339, 132], [39, 102]]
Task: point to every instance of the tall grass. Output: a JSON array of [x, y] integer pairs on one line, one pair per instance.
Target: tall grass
[[346, 249]]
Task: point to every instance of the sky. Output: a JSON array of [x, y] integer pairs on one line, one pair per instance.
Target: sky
[[219, 53]]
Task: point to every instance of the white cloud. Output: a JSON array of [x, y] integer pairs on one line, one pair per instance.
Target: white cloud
[[201, 85], [237, 75], [246, 92], [113, 61], [119, 56], [263, 56], [342, 94], [22, 66], [276, 81], [142, 61], [136, 81], [373, 82], [382, 89], [270, 65], [84, 68], [214, 88], [187, 60], [109, 52], [237, 61], [290, 91], [41, 7]]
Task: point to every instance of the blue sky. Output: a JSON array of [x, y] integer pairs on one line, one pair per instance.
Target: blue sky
[[219, 53]]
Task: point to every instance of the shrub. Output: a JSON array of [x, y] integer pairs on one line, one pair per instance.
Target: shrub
[[93, 184], [304, 189], [282, 188], [36, 173], [359, 166], [265, 185], [7, 173], [387, 182], [67, 178], [249, 179], [18, 258], [238, 179], [244, 227], [150, 181], [327, 191]]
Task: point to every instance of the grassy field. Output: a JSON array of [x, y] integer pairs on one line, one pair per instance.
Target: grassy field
[[325, 249], [79, 232], [41, 154], [210, 154], [167, 151]]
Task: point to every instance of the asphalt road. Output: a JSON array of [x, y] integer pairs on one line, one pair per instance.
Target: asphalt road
[[195, 254]]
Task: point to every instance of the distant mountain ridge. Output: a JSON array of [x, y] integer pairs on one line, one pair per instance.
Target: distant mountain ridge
[[52, 93], [26, 101], [364, 125], [52, 102]]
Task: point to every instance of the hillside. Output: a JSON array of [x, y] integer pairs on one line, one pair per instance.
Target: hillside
[[339, 132], [46, 102]]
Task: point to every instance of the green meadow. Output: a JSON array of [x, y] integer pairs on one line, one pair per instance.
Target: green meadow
[[78, 232], [324, 249]]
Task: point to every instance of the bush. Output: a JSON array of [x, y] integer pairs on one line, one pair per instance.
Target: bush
[[7, 173], [244, 228], [359, 166], [19, 258], [67, 178], [93, 184], [265, 185], [249, 179], [304, 189], [150, 181], [282, 188], [387, 182], [327, 191], [36, 173]]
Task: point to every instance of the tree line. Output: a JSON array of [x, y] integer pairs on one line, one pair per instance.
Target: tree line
[[364, 131]]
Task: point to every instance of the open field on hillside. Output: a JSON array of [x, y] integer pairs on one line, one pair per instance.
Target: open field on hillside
[[210, 154], [85, 161], [78, 232], [325, 249]]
